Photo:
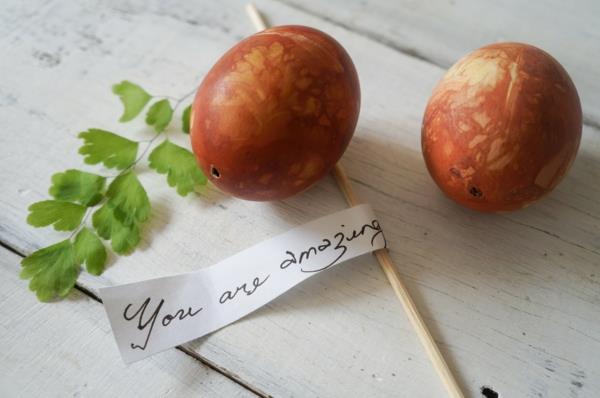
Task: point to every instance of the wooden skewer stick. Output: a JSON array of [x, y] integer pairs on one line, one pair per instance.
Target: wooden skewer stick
[[255, 17], [390, 271], [393, 276]]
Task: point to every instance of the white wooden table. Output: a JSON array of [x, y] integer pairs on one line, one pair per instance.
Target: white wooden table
[[513, 300]]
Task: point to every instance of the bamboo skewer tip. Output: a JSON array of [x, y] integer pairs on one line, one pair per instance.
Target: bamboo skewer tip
[[255, 17]]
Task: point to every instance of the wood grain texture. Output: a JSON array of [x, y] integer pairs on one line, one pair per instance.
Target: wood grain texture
[[442, 31], [67, 349], [513, 300]]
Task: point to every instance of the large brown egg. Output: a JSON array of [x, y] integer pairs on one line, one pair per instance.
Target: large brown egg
[[502, 127], [275, 113]]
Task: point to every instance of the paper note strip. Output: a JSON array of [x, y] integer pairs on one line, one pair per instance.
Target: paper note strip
[[153, 315]]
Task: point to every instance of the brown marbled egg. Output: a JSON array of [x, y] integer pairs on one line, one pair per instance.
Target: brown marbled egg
[[275, 113], [502, 127]]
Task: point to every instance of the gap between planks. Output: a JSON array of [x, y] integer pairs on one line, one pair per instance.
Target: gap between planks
[[212, 365]]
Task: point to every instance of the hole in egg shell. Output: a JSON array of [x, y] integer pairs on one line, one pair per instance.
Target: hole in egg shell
[[475, 192], [214, 172]]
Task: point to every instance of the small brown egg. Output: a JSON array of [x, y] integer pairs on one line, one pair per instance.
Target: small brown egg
[[502, 127], [275, 113]]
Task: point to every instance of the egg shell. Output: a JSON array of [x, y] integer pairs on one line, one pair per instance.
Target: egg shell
[[275, 113], [502, 127]]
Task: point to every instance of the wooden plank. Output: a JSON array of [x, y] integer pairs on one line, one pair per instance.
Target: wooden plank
[[443, 31], [504, 313], [66, 348]]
